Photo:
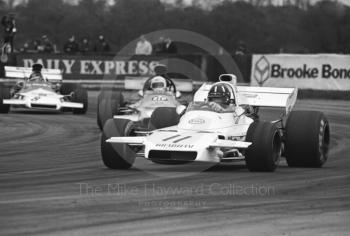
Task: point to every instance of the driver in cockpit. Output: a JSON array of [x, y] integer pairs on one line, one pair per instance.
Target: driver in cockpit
[[221, 98], [36, 75], [158, 84]]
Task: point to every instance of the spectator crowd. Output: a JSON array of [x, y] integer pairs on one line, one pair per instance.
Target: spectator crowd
[[71, 46], [9, 29], [84, 46], [163, 45]]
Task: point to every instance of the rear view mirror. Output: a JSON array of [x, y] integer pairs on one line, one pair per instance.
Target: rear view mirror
[[140, 93], [178, 94]]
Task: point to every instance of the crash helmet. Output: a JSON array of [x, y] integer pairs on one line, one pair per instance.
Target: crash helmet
[[221, 93], [158, 83], [37, 67]]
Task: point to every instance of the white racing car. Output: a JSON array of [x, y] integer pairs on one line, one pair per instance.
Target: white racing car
[[156, 91], [44, 92], [222, 125]]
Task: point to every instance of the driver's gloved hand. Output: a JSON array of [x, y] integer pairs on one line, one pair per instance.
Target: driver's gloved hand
[[19, 85], [249, 110], [216, 107]]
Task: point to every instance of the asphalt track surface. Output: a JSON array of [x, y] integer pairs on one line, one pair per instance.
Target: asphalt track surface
[[52, 182]]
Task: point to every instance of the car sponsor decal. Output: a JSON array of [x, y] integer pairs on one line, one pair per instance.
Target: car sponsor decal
[[172, 145], [176, 143], [181, 139], [196, 121], [250, 95], [35, 99], [159, 99], [171, 137]]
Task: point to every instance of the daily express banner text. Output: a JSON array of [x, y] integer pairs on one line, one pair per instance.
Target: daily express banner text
[[320, 71], [85, 67]]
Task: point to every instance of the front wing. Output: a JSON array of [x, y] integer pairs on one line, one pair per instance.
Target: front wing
[[42, 105], [195, 147]]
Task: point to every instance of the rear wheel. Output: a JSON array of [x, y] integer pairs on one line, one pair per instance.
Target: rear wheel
[[265, 151], [108, 106], [307, 139], [163, 117], [4, 94], [117, 156], [80, 96]]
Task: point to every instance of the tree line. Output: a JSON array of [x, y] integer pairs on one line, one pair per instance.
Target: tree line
[[320, 28]]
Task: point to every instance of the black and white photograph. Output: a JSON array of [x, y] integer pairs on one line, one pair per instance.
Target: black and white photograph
[[175, 117]]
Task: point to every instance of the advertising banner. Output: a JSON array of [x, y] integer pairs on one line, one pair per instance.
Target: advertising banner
[[109, 67], [318, 72], [91, 67]]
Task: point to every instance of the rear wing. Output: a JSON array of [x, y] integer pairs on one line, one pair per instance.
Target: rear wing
[[256, 96], [136, 83], [267, 97], [52, 75]]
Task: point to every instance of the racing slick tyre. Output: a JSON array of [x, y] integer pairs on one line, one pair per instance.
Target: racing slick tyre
[[67, 88], [307, 139], [4, 94], [108, 106], [163, 117], [265, 151], [80, 96], [117, 156], [110, 93]]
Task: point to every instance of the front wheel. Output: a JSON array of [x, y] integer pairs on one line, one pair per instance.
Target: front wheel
[[117, 156], [108, 106], [80, 96], [4, 94], [265, 151]]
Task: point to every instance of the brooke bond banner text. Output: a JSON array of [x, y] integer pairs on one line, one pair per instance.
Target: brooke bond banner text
[[320, 71]]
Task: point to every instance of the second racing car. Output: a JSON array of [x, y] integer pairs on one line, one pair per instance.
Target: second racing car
[[157, 91]]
